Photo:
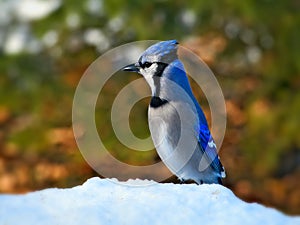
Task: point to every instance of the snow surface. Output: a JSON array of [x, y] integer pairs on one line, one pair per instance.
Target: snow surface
[[108, 201]]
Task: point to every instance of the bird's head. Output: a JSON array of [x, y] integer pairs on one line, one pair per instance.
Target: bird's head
[[159, 64], [155, 59]]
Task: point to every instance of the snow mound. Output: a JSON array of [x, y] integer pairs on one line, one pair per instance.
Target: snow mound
[[108, 201]]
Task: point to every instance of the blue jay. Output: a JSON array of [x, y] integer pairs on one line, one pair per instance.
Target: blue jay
[[177, 123]]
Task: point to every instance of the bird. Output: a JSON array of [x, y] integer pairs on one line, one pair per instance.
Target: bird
[[177, 124]]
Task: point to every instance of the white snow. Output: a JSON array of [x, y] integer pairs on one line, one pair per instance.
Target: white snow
[[108, 201]]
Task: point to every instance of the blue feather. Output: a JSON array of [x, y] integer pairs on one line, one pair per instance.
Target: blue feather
[[176, 73]]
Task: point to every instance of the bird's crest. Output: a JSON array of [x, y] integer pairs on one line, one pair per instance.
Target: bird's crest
[[164, 51]]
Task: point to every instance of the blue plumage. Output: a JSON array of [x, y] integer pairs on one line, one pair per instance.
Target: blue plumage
[[159, 64], [177, 74]]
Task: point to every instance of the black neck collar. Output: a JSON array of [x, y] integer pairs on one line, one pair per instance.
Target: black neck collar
[[157, 102]]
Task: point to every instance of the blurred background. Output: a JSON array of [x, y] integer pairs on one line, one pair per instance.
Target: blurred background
[[251, 46]]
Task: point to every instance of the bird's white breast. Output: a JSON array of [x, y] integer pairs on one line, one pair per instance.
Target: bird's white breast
[[174, 134]]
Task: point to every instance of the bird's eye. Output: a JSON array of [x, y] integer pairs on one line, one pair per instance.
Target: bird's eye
[[147, 64]]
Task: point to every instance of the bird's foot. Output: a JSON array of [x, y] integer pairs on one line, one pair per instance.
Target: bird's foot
[[182, 181]]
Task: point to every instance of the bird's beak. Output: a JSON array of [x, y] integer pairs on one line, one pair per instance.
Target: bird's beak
[[132, 68]]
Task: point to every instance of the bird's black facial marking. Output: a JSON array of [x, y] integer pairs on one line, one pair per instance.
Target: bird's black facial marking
[[144, 65], [147, 64], [160, 68], [157, 102]]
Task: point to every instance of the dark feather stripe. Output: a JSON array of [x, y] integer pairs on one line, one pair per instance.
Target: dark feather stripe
[[158, 74], [157, 102], [160, 68]]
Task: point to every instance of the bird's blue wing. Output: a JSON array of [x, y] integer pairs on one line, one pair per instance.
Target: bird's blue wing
[[209, 147]]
